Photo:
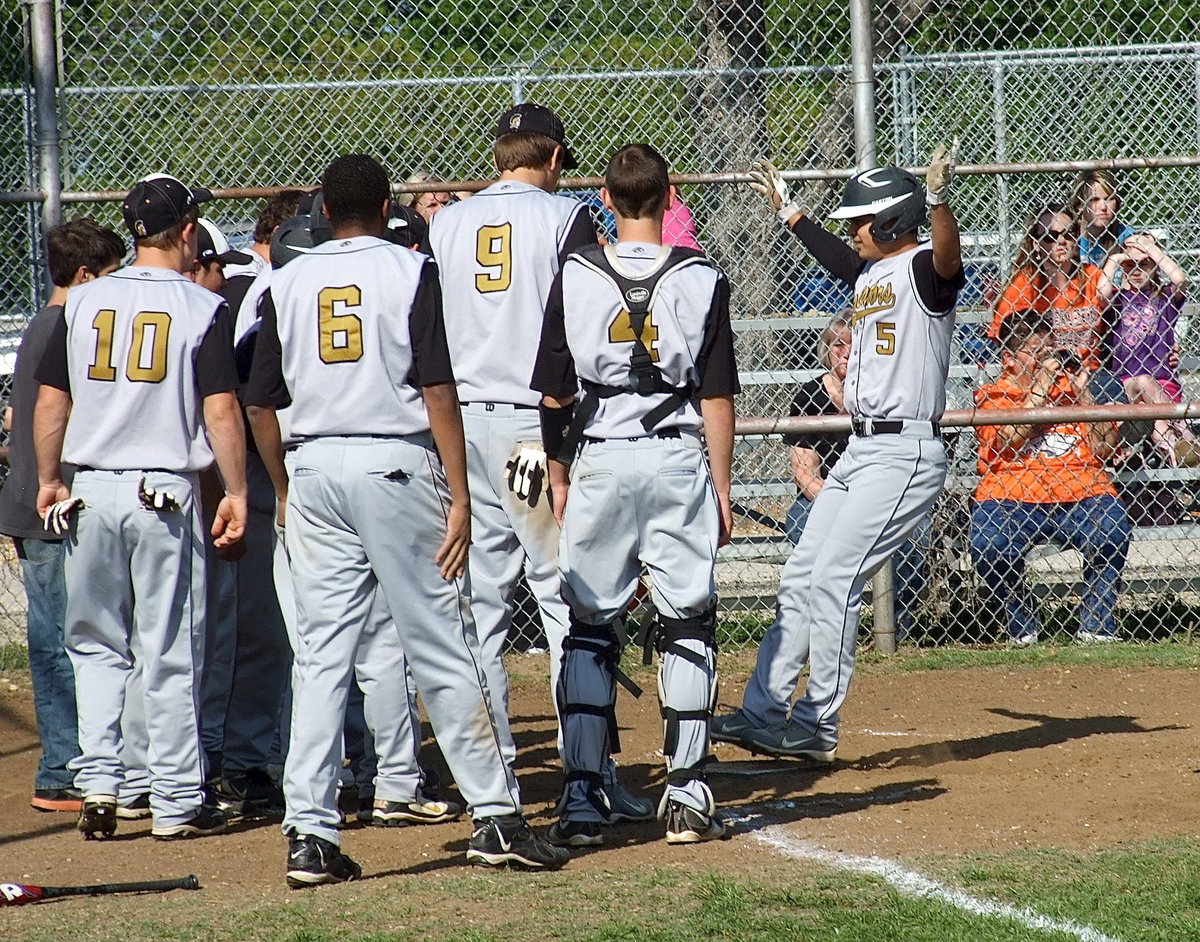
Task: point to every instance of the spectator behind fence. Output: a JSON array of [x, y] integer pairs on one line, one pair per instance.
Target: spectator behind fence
[[813, 455], [1095, 203], [1045, 482], [1049, 278], [1145, 311], [78, 252], [427, 204]]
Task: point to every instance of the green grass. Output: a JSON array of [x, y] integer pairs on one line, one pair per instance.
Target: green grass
[[1133, 893], [14, 657]]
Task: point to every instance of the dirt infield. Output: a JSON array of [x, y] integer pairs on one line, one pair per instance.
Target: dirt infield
[[937, 761]]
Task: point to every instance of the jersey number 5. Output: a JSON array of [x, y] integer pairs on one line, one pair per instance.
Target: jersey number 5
[[493, 249], [885, 338], [621, 331], [147, 360], [341, 339]]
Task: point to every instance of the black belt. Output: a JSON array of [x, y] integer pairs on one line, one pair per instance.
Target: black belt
[[665, 433], [88, 467], [491, 406], [888, 426]]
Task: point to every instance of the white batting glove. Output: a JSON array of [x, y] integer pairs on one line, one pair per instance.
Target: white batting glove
[[527, 473], [768, 181], [58, 517], [159, 501], [940, 173]]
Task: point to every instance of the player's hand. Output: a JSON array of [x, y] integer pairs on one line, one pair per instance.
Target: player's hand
[[49, 494], [940, 173], [281, 510], [229, 524], [766, 180], [726, 533], [452, 554]]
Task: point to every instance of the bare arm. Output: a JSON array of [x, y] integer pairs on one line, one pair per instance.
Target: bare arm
[[1106, 286], [947, 249], [718, 432], [557, 473], [445, 422], [264, 424], [806, 470], [227, 437], [49, 429]]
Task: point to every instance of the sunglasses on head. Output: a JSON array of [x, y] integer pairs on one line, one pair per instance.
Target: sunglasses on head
[[1053, 235]]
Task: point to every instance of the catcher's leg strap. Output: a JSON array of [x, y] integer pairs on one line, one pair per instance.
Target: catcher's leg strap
[[587, 688], [687, 692], [663, 633]]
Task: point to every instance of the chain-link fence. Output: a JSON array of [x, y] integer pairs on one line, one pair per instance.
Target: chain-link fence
[[257, 94]]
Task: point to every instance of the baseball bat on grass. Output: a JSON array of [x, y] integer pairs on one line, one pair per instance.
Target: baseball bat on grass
[[18, 894]]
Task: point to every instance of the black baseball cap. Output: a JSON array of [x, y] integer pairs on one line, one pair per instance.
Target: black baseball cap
[[159, 202], [407, 227], [529, 118], [212, 246]]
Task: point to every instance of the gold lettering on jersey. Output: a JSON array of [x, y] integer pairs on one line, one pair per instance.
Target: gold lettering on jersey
[[102, 368], [493, 249], [873, 299], [621, 331], [147, 361], [340, 334]]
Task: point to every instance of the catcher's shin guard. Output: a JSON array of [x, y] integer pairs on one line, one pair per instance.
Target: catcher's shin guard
[[587, 693], [687, 686]]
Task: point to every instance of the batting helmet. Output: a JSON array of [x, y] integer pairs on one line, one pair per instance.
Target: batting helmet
[[290, 240], [893, 196]]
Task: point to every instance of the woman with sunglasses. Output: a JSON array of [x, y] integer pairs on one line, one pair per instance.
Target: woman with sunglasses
[[1049, 277]]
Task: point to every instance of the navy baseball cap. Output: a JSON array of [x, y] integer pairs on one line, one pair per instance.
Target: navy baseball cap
[[159, 202], [212, 246], [528, 118]]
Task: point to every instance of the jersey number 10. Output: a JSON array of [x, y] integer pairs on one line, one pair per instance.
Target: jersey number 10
[[150, 332]]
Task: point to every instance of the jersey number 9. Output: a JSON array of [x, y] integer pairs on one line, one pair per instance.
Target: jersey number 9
[[341, 339], [493, 249], [147, 360]]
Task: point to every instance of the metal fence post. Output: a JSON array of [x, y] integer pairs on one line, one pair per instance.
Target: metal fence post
[[883, 604], [44, 67], [862, 61]]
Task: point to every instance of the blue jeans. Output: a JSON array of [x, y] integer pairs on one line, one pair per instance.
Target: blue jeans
[[49, 666], [1002, 531], [909, 561]]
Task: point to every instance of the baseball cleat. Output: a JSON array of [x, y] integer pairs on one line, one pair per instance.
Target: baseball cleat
[[394, 814], [205, 822], [135, 809], [508, 840], [564, 833], [249, 794], [731, 728], [98, 817], [313, 861], [791, 741], [688, 826], [623, 805]]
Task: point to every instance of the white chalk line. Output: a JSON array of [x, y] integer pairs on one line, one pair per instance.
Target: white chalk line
[[914, 884]]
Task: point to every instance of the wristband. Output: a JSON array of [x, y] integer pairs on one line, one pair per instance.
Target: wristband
[[555, 423], [785, 213]]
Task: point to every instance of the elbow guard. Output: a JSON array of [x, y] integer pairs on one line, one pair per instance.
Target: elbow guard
[[555, 423]]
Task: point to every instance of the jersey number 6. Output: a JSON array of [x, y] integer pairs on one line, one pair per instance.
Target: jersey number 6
[[341, 339], [147, 360]]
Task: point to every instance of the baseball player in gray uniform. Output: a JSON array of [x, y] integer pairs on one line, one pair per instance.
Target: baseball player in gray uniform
[[905, 292], [645, 330], [498, 253], [137, 391], [352, 338]]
